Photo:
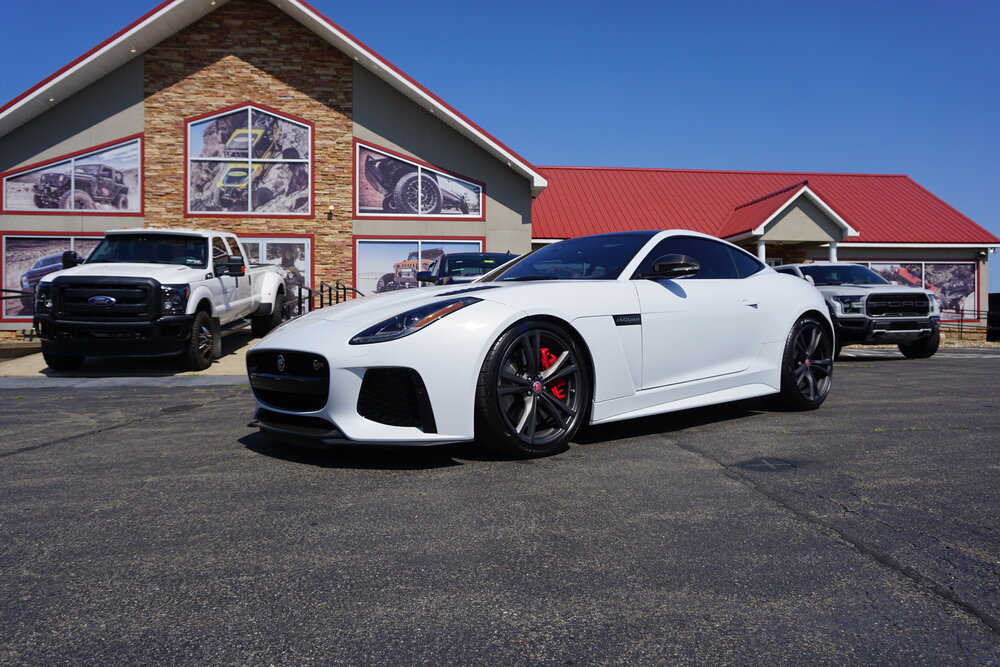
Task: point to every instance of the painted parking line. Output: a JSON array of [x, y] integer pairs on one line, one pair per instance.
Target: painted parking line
[[950, 354]]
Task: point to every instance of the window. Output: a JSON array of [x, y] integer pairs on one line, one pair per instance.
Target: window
[[293, 255], [105, 180], [219, 248], [27, 258], [746, 264], [390, 185], [715, 259], [249, 161], [386, 265]]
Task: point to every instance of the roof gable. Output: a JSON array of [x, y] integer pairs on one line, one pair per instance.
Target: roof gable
[[173, 15], [753, 217]]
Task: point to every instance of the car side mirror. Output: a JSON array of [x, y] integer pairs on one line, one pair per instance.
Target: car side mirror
[[230, 265], [673, 266], [810, 280], [70, 259], [425, 277]]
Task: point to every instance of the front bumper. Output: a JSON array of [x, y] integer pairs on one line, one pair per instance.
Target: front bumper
[[166, 336], [866, 330], [446, 357]]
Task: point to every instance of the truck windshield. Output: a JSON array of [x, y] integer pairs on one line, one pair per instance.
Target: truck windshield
[[152, 249], [843, 274]]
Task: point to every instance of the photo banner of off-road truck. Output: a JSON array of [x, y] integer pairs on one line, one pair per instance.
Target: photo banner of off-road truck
[[390, 186], [249, 161], [103, 180]]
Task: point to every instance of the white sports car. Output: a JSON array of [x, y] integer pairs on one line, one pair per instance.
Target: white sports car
[[588, 330]]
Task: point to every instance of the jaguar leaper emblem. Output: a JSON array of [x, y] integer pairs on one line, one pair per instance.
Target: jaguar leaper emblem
[[101, 301], [281, 363]]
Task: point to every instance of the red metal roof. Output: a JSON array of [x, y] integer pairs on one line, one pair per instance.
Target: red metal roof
[[884, 208]]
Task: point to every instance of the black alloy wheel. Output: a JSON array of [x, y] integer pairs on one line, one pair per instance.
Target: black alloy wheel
[[533, 391], [198, 355], [807, 366]]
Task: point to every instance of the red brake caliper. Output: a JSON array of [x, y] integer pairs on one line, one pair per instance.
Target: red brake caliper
[[558, 389]]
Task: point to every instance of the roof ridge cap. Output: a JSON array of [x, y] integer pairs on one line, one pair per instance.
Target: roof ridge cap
[[721, 171], [773, 194]]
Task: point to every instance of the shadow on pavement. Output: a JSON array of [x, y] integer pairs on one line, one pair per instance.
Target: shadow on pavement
[[362, 457]]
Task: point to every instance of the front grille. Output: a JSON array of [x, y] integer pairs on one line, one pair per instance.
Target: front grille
[[297, 381], [898, 305], [133, 299], [298, 424], [396, 397]]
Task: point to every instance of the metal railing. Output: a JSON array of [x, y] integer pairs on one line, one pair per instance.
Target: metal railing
[[964, 322], [307, 299]]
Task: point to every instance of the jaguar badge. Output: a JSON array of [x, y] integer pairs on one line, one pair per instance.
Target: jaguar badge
[[281, 363], [101, 301]]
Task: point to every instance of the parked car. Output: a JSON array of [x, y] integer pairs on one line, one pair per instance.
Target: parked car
[[154, 292], [91, 183], [404, 273], [588, 330], [869, 310], [408, 190], [29, 279], [462, 267]]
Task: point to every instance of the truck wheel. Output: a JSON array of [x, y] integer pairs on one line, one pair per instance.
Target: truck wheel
[[386, 283], [76, 200], [290, 154], [41, 203], [264, 324], [121, 202], [921, 349], [62, 362], [417, 195], [198, 355]]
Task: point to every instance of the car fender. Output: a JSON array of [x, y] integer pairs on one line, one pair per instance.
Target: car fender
[[200, 293], [269, 283]]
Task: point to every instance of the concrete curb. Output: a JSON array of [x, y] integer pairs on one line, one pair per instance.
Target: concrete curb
[[97, 383]]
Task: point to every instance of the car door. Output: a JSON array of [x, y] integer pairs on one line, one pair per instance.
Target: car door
[[706, 325], [225, 287]]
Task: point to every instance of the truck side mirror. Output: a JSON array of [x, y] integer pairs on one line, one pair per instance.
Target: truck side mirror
[[231, 265], [425, 277], [70, 259]]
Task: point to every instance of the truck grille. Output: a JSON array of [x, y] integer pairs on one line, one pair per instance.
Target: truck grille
[[133, 299], [898, 305], [294, 381]]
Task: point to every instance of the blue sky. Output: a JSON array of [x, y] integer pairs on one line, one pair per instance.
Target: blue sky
[[853, 86]]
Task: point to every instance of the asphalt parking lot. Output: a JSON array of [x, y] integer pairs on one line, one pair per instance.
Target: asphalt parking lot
[[142, 523]]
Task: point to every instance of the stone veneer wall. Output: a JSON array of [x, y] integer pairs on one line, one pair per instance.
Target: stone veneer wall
[[250, 51]]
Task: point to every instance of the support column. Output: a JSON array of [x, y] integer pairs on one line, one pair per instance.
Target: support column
[[833, 251], [761, 255]]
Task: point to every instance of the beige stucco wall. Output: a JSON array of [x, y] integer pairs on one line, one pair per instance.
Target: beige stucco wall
[[107, 110], [384, 117], [803, 221]]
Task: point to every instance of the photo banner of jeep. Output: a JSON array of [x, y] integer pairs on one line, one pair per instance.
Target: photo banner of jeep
[[104, 180], [389, 186], [391, 264], [248, 161]]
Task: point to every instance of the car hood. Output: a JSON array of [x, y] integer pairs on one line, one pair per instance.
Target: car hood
[[166, 274]]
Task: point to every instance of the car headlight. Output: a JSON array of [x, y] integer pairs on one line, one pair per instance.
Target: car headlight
[[411, 321], [850, 304], [43, 298], [25, 283], [174, 299]]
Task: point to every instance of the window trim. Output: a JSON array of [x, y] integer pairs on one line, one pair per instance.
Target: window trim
[[249, 105], [356, 190], [139, 137], [725, 244]]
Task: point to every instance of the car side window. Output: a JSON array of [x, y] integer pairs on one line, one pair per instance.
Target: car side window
[[715, 259], [790, 272], [746, 264]]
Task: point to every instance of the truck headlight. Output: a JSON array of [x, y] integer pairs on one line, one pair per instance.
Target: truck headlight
[[850, 305], [25, 283], [174, 299], [43, 298], [411, 321]]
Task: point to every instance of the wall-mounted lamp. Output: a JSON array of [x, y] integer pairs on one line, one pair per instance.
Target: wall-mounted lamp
[[329, 212], [982, 253], [993, 251]]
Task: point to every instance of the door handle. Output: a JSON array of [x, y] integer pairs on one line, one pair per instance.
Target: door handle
[[749, 303]]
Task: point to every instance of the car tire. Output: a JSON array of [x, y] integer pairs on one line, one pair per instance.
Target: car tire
[[79, 200], [922, 349], [428, 202], [806, 366], [262, 325], [41, 203], [533, 391], [197, 355], [62, 362]]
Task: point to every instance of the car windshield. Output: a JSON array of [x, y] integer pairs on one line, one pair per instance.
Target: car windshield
[[473, 265], [586, 258], [88, 168], [843, 274], [152, 249]]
